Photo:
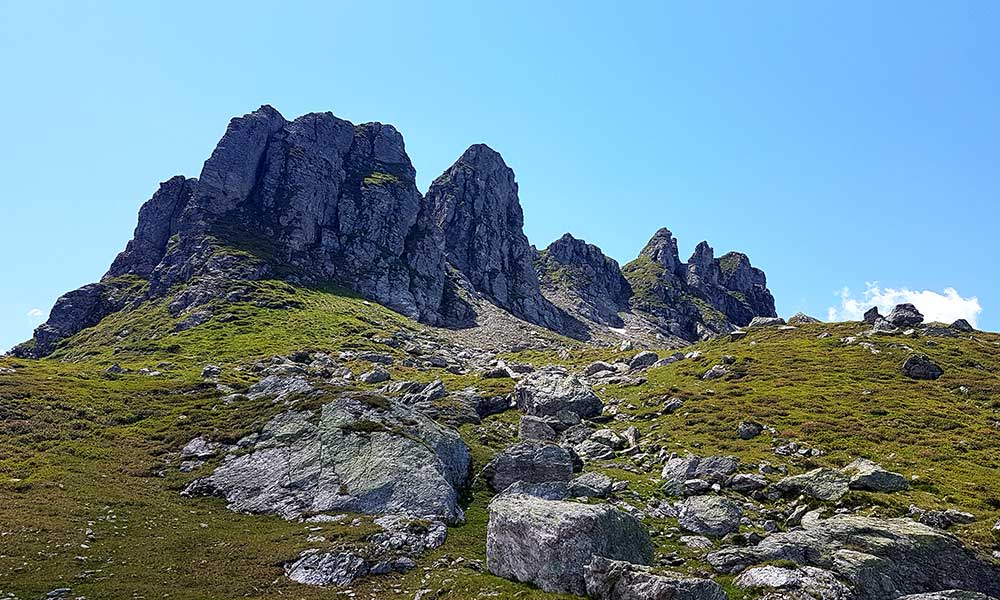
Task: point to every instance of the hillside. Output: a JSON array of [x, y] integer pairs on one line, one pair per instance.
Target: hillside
[[91, 472]]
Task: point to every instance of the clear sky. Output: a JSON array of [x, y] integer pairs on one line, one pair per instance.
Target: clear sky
[[836, 143]]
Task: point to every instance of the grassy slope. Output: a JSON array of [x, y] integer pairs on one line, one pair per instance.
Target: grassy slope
[[80, 450]]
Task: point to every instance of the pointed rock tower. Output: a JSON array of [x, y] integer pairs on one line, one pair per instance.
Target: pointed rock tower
[[475, 205]]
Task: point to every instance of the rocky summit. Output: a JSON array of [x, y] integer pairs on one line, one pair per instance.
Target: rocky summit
[[305, 378], [320, 201]]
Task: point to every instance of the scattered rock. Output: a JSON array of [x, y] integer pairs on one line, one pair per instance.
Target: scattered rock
[[617, 580], [531, 462], [211, 371], [713, 469], [598, 366], [747, 430], [642, 360], [323, 568], [798, 582], [869, 476], [199, 448], [716, 372], [547, 393], [594, 485], [535, 428], [920, 366], [802, 319], [872, 315], [901, 556], [364, 454], [376, 375], [710, 515], [550, 543], [766, 322], [820, 483]]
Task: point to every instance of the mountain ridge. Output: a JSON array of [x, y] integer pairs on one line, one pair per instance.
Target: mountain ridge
[[318, 200]]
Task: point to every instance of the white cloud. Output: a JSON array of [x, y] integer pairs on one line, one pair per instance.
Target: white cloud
[[945, 307], [35, 313]]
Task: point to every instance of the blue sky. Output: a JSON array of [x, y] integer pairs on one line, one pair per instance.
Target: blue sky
[[836, 143]]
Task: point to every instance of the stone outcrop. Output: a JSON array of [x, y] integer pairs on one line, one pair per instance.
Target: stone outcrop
[[701, 297], [880, 559], [363, 454], [547, 393]]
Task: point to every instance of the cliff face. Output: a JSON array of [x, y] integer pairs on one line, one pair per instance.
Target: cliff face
[[476, 207], [321, 201], [589, 282]]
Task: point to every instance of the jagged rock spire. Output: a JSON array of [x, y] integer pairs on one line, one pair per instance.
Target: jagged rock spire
[[476, 206], [662, 249]]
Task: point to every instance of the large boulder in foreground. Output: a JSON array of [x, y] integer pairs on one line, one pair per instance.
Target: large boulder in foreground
[[879, 558], [549, 543], [547, 393], [617, 580], [363, 454]]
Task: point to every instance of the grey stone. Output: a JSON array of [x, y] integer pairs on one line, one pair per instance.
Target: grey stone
[[747, 430], [535, 428], [802, 319], [820, 483], [766, 322], [905, 557], [590, 450], [713, 469], [643, 359], [550, 543], [867, 475], [919, 366], [546, 490], [199, 448], [618, 580], [716, 372], [905, 315], [598, 366], [376, 375], [531, 462], [363, 454], [324, 568], [746, 483], [802, 583], [948, 595], [545, 393], [595, 485], [872, 315], [710, 515]]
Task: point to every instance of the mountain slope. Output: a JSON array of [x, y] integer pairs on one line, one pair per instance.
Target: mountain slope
[[88, 451]]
